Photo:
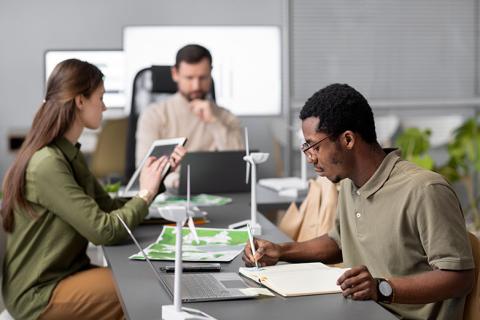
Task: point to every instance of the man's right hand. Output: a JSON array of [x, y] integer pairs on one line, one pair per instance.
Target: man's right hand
[[266, 253], [204, 109]]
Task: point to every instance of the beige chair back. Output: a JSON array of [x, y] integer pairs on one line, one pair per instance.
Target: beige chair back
[[110, 152], [316, 214]]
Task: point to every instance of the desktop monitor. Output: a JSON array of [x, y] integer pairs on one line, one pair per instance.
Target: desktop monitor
[[110, 62]]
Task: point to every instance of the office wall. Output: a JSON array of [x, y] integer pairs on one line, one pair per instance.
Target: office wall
[[420, 49], [28, 28], [411, 59]]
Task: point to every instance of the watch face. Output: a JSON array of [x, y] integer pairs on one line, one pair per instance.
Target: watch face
[[385, 288]]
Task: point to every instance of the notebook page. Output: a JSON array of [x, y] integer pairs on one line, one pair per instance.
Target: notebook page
[[297, 279]]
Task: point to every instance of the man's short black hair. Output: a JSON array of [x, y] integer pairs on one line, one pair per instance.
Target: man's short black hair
[[192, 53], [340, 108]]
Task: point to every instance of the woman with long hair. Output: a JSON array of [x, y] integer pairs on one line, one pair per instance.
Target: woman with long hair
[[53, 206]]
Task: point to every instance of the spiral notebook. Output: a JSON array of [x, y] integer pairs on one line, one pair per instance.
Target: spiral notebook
[[297, 279]]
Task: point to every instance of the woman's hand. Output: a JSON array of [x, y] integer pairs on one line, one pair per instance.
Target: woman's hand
[[177, 155], [150, 176]]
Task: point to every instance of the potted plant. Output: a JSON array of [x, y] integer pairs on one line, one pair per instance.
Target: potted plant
[[464, 164], [415, 144], [112, 188]]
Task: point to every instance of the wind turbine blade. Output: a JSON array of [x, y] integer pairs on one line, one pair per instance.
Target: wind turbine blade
[[247, 149], [247, 176], [193, 230]]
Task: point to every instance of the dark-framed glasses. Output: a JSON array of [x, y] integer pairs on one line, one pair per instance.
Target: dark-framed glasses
[[306, 146]]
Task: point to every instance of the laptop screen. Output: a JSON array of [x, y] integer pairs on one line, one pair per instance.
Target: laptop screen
[[214, 172]]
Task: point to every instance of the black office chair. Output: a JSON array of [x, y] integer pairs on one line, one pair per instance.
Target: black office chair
[[150, 85]]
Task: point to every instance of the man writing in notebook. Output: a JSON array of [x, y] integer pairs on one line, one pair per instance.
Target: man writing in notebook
[[399, 228], [190, 112]]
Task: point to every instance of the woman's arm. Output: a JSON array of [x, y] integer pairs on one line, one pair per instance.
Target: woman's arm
[[59, 192]]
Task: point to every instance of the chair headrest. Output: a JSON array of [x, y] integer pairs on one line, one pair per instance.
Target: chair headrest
[[162, 81]]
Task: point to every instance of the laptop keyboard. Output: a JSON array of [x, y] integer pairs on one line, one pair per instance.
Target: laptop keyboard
[[202, 285]]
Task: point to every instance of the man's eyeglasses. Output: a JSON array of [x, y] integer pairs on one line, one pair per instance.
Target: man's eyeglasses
[[306, 146]]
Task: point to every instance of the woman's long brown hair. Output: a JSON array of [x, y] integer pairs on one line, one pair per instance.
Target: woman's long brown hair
[[69, 79]]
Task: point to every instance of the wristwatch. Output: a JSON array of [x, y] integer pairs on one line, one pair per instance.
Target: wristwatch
[[384, 290], [145, 195]]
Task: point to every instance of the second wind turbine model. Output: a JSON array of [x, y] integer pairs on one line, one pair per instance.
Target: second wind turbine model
[[252, 160]]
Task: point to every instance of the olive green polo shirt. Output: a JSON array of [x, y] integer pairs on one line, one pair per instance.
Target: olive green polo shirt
[[404, 220], [72, 209]]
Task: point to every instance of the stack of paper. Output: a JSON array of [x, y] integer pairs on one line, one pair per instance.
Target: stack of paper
[[297, 279], [289, 186]]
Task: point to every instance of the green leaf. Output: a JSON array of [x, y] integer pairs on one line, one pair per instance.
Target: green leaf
[[449, 172], [424, 161], [464, 148], [413, 142], [112, 187]]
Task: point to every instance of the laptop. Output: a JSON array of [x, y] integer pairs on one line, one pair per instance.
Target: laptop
[[214, 172], [199, 286]]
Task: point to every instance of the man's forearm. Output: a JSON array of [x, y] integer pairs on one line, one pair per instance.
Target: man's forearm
[[322, 248], [432, 286]]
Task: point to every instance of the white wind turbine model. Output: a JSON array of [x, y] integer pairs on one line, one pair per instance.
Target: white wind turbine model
[[180, 215], [290, 186], [252, 160]]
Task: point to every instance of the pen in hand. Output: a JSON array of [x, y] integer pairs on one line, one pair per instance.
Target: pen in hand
[[252, 244]]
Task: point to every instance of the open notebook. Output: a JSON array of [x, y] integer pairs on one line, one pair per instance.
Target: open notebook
[[297, 279]]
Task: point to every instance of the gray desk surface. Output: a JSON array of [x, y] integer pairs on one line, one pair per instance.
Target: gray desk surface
[[142, 296]]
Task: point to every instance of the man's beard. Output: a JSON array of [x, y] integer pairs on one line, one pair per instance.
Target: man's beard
[[195, 95], [336, 161]]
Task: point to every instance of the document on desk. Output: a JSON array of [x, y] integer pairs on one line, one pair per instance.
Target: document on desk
[[216, 245], [297, 279]]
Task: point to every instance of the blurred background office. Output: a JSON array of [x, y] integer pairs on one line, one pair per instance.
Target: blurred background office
[[416, 61]]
